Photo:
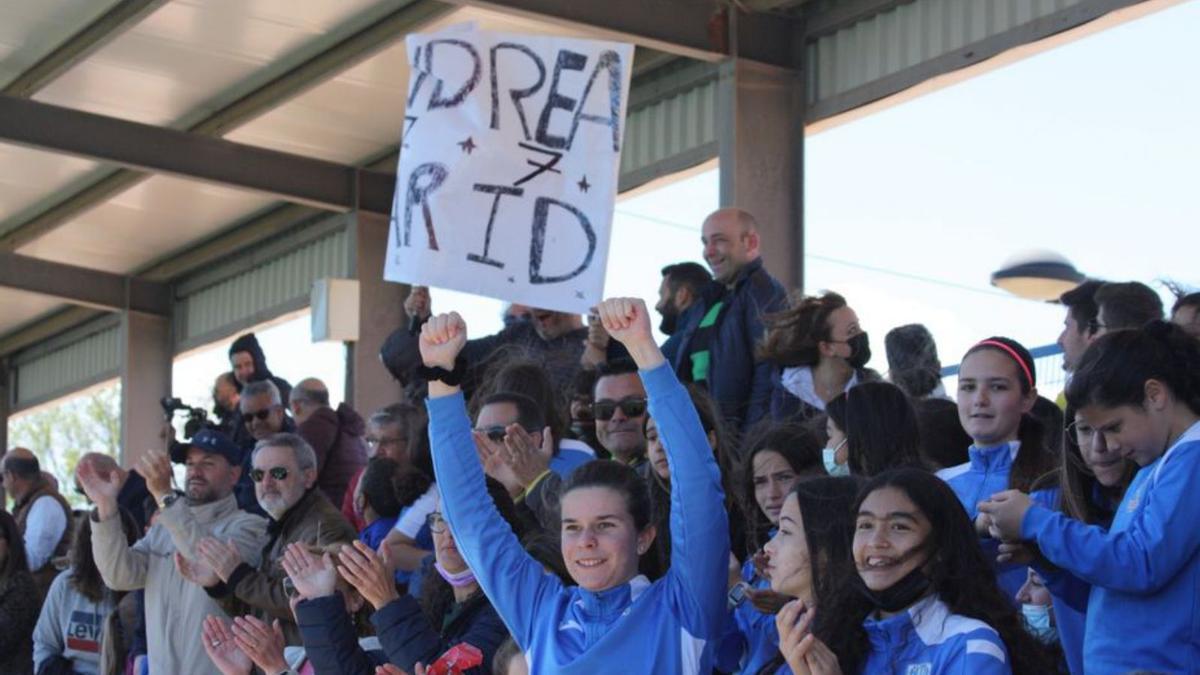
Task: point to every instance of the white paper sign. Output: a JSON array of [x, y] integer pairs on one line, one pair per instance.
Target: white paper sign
[[508, 166]]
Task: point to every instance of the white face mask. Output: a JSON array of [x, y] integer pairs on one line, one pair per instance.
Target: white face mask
[[1038, 623], [829, 455]]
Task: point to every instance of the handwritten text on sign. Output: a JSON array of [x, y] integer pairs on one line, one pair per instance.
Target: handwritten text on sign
[[508, 166]]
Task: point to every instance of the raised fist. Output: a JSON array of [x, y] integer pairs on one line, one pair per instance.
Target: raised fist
[[442, 338]]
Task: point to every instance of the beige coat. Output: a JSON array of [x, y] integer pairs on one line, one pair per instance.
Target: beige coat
[[175, 607]]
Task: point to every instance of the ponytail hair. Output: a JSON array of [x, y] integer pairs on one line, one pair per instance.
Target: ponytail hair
[[792, 337], [1114, 369]]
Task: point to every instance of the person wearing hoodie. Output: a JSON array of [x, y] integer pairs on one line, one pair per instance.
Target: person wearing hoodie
[[613, 616], [249, 364], [335, 435]]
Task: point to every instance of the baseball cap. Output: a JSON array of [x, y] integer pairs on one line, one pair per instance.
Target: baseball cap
[[210, 441]]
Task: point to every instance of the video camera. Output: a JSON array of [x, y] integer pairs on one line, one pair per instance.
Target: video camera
[[197, 417]]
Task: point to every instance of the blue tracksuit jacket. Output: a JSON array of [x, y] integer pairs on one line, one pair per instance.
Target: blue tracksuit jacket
[[928, 640], [668, 626], [751, 639], [1144, 608], [984, 475]]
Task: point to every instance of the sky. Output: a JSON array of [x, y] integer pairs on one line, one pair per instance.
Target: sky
[[1090, 149]]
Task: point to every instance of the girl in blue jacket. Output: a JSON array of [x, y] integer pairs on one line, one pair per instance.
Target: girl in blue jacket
[[613, 618], [777, 457], [997, 387], [1138, 393], [921, 597]]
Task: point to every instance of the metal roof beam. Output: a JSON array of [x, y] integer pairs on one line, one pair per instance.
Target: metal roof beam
[[146, 147], [82, 286], [358, 44], [81, 44], [676, 26]]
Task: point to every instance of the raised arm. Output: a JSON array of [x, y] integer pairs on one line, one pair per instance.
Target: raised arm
[[699, 523], [122, 567], [515, 583]]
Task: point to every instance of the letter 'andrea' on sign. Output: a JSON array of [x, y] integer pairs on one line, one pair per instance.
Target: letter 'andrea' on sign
[[510, 153]]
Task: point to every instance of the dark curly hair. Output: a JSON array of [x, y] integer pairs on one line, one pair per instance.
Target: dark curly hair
[[959, 575], [798, 447]]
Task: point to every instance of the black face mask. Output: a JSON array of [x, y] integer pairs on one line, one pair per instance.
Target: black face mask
[[670, 321], [899, 595], [860, 350]]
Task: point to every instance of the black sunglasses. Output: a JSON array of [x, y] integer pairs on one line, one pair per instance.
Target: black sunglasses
[[630, 407], [496, 432], [277, 472], [261, 415]]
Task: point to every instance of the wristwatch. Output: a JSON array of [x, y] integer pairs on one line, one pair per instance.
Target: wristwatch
[[169, 499]]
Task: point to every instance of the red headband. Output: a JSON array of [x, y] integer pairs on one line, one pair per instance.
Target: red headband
[[1015, 356]]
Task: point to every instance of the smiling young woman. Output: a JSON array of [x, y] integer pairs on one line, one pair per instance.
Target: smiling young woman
[[920, 596], [612, 616]]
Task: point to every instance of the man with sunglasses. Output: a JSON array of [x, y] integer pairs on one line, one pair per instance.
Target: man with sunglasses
[[284, 472], [511, 430], [619, 407], [166, 559], [262, 415]]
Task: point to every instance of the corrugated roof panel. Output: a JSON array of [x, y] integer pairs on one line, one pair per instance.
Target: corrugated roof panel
[[274, 285], [20, 307], [29, 30], [911, 34], [27, 176], [179, 60], [148, 221], [94, 358]]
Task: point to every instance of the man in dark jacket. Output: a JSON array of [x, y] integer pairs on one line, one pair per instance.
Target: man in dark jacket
[[336, 436], [555, 339], [718, 335], [284, 474]]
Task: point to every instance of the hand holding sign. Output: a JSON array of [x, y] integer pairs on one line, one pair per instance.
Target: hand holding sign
[[508, 168]]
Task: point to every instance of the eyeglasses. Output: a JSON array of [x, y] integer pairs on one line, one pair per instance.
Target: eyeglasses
[[277, 472], [1087, 437], [630, 407], [261, 415], [436, 523], [380, 442]]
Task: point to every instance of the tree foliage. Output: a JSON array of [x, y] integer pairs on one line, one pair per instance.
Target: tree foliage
[[59, 434]]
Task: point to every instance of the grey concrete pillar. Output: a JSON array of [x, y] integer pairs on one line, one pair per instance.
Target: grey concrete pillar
[[145, 343], [760, 115], [369, 386]]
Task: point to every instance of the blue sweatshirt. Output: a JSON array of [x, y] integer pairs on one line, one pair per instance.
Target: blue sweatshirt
[[751, 639], [926, 639], [665, 627], [1143, 609], [984, 475]]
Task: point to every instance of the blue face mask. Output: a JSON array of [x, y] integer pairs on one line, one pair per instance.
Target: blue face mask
[[1037, 622], [829, 455]]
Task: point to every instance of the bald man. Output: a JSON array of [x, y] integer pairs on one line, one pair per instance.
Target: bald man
[[716, 337], [40, 511], [336, 436], [132, 496]]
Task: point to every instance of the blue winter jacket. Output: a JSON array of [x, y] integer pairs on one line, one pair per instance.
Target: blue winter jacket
[[1144, 608], [928, 640], [751, 639], [740, 384], [984, 475], [664, 627]]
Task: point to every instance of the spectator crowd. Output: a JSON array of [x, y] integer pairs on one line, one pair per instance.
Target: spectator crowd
[[570, 497]]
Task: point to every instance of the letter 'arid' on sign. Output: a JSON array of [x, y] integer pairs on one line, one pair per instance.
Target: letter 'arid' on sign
[[508, 168]]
